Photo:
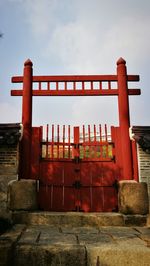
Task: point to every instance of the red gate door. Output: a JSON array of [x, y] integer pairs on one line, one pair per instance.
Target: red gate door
[[96, 171], [77, 174]]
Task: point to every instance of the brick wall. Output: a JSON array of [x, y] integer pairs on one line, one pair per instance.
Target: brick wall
[[8, 172], [144, 167], [8, 159], [9, 142]]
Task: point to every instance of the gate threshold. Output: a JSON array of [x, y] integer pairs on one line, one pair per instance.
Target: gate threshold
[[77, 219]]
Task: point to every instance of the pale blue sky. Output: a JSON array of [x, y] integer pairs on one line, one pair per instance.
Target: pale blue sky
[[74, 37]]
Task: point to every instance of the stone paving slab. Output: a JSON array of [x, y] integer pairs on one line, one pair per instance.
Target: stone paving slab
[[46, 255], [42, 245], [96, 239], [118, 255], [79, 230]]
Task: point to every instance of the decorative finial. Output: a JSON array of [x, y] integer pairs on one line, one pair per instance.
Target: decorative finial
[[28, 62], [121, 61]]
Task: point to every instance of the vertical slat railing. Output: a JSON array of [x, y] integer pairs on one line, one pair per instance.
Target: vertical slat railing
[[63, 141], [52, 148], [109, 85], [84, 153], [83, 85], [69, 147], [100, 85], [47, 132], [40, 86], [57, 87], [95, 141], [57, 141], [100, 134], [89, 138], [65, 85], [74, 86], [106, 139]]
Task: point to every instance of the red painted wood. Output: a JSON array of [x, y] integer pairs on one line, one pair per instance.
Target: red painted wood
[[124, 119], [97, 180], [58, 178], [27, 120], [112, 92], [75, 78], [118, 154], [36, 152], [77, 173]]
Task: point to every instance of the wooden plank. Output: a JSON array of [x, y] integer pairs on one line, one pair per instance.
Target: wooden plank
[[52, 146], [47, 132], [63, 141], [69, 78], [69, 142], [133, 78], [111, 92]]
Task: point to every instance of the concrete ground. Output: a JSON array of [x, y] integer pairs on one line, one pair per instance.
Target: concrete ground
[[44, 245]]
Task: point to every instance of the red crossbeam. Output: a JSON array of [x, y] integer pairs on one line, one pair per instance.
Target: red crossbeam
[[103, 92], [76, 78], [85, 85]]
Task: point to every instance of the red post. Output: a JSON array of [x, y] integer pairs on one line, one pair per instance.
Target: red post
[[27, 120], [124, 119]]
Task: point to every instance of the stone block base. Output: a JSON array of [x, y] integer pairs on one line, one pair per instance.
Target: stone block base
[[133, 197], [22, 195], [148, 220]]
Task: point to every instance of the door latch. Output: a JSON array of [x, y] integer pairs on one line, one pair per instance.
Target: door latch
[[77, 184]]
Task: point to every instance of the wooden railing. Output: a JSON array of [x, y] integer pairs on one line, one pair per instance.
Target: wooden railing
[[58, 143]]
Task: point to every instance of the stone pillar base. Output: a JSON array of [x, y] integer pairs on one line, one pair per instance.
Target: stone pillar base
[[22, 195], [133, 197]]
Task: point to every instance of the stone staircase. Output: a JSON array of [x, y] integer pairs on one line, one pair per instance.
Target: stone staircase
[[77, 219], [75, 239]]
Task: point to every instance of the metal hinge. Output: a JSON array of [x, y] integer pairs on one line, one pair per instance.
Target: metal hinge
[[76, 159], [77, 184]]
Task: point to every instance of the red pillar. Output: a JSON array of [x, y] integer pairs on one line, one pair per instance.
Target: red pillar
[[124, 120], [26, 120]]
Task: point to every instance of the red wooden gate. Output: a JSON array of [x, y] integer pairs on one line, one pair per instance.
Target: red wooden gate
[[79, 172]]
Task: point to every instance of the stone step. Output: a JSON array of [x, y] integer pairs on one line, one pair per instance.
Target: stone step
[[44, 245], [77, 219]]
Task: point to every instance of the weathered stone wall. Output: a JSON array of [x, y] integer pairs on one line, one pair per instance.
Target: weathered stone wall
[[8, 172], [8, 159], [9, 143], [144, 167]]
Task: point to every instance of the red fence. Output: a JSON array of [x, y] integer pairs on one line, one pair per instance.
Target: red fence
[[94, 143]]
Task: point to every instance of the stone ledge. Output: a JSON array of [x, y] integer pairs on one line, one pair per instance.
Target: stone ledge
[[71, 218], [135, 220]]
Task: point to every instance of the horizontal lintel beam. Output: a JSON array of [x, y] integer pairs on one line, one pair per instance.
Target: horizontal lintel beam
[[103, 92], [74, 78]]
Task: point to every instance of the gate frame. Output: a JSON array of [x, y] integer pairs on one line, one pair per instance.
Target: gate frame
[[122, 92]]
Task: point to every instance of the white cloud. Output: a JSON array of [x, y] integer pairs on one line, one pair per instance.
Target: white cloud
[[87, 37]]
